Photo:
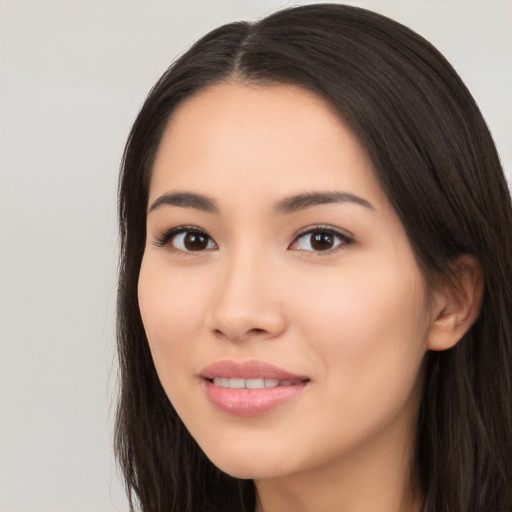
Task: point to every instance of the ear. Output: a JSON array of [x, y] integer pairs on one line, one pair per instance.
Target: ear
[[457, 304]]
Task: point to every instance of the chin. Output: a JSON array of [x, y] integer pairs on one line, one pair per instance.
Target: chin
[[244, 466], [248, 472]]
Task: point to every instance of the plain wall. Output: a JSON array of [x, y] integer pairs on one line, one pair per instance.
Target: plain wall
[[73, 75]]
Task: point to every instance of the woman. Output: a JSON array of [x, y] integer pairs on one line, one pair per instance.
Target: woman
[[314, 302]]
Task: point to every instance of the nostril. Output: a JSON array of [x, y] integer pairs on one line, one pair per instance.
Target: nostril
[[237, 324], [257, 331]]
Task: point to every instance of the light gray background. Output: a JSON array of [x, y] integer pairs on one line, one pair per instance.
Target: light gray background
[[73, 75]]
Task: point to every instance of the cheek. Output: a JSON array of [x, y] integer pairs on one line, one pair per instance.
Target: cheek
[[172, 314], [368, 329], [367, 335], [364, 299]]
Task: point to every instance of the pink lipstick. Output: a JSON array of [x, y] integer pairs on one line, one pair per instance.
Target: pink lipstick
[[250, 388]]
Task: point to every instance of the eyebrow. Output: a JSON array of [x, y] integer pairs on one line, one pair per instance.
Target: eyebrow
[[310, 199], [186, 200], [286, 206]]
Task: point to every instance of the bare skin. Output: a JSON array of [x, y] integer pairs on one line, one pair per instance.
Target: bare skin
[[290, 253]]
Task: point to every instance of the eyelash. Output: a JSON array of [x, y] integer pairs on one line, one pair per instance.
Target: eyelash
[[164, 240], [343, 237]]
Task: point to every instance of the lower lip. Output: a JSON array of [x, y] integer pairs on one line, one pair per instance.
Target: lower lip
[[250, 402]]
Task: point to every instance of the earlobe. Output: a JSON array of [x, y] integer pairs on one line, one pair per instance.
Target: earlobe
[[457, 304]]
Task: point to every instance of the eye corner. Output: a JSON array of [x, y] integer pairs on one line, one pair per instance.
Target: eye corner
[[181, 240], [329, 240]]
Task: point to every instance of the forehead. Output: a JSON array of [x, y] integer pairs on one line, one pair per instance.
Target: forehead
[[276, 139]]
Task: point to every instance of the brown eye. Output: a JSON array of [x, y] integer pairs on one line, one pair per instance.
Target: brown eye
[[195, 241], [321, 240], [187, 240]]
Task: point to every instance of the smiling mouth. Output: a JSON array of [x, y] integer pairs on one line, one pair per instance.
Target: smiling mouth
[[237, 383], [250, 388]]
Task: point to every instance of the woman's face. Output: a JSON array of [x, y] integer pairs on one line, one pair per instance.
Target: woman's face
[[283, 305]]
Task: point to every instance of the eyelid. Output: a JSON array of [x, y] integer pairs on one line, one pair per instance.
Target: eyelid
[[163, 239], [346, 238]]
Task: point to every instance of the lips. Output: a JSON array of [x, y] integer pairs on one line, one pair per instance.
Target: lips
[[250, 388], [260, 383], [248, 370]]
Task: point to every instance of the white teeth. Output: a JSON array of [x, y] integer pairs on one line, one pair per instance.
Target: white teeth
[[255, 383], [226, 382], [237, 383], [222, 381]]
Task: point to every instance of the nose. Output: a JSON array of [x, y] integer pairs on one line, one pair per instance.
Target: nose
[[247, 300]]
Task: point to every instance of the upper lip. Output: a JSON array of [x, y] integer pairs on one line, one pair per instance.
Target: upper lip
[[248, 370]]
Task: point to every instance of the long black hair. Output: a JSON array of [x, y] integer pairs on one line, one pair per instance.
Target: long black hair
[[436, 161]]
